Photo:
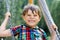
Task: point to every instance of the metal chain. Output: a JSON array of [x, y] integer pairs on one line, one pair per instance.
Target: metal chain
[[58, 35]]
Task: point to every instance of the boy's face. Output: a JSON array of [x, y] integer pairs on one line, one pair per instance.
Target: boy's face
[[31, 19]]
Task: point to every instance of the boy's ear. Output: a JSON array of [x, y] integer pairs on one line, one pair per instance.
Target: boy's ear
[[39, 19], [23, 17]]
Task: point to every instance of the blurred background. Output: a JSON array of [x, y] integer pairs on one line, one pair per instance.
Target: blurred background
[[16, 8]]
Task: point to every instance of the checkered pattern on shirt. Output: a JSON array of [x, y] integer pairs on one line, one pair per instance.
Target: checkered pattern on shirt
[[26, 33]]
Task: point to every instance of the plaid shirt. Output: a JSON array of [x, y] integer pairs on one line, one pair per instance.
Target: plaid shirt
[[26, 33]]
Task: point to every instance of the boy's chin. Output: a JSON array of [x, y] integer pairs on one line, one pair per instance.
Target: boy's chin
[[31, 25]]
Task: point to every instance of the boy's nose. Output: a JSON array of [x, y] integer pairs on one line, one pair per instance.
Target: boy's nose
[[32, 16]]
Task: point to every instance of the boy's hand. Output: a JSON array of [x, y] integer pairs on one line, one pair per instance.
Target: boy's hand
[[7, 14], [53, 32], [54, 26]]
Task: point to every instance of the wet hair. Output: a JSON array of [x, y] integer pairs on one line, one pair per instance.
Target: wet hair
[[32, 8]]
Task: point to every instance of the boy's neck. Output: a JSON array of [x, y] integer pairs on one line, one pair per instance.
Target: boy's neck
[[30, 26]]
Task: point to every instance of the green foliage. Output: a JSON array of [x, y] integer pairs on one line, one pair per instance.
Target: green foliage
[[2, 7], [55, 10]]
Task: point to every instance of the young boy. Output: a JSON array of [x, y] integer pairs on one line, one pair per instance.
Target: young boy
[[29, 31]]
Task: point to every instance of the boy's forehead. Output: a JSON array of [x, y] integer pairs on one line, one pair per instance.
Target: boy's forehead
[[31, 12]]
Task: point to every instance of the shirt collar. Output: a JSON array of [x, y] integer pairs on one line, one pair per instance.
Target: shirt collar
[[32, 28]]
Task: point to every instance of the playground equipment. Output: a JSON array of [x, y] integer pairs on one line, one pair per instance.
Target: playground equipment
[[45, 11]]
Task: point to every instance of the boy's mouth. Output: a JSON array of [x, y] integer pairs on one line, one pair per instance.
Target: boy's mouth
[[31, 21]]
